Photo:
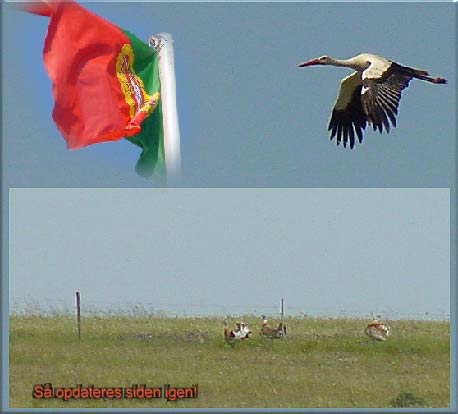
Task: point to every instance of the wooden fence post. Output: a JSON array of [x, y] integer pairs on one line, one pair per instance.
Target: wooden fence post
[[78, 313]]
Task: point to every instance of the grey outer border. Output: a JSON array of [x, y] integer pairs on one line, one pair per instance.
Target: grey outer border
[[4, 312]]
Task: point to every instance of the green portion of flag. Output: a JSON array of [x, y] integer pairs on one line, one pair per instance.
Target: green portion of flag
[[151, 137]]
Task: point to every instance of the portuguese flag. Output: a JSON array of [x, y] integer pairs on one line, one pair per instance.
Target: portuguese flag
[[105, 82]]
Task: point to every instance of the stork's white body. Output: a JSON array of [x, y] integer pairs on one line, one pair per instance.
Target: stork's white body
[[371, 94], [376, 64]]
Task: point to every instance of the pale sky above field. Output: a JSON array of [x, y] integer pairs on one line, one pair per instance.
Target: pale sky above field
[[248, 118], [233, 251]]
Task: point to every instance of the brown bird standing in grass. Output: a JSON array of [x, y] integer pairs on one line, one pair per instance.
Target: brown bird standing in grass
[[270, 332], [377, 330], [242, 331]]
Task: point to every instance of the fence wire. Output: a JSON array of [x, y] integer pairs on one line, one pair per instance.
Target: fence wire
[[49, 307]]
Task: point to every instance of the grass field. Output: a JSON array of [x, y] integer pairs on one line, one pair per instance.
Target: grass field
[[322, 363]]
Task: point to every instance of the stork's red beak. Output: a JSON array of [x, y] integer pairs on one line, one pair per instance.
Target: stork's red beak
[[309, 63]]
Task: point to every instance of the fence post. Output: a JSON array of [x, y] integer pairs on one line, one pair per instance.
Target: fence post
[[282, 313], [78, 313]]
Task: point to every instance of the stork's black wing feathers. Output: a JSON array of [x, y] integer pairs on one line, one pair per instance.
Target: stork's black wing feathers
[[350, 122], [380, 97]]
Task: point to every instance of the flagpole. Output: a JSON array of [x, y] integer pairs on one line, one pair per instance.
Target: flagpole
[[163, 43]]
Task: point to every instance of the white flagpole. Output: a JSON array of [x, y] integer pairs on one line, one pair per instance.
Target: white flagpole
[[163, 43]]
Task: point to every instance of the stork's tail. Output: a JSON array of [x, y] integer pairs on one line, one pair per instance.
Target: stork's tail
[[424, 75], [430, 79]]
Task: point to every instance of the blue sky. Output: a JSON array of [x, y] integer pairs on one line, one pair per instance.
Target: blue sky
[[357, 252], [249, 118]]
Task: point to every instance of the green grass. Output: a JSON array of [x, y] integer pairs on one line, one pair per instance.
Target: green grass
[[323, 363]]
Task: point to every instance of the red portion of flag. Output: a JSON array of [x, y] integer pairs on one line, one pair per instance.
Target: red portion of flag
[[80, 54]]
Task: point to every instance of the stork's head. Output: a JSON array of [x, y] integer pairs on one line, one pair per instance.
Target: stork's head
[[322, 60]]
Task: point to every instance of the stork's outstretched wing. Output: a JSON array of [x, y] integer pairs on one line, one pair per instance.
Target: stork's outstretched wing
[[348, 118], [381, 94]]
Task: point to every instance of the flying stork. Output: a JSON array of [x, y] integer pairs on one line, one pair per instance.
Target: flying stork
[[370, 94]]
